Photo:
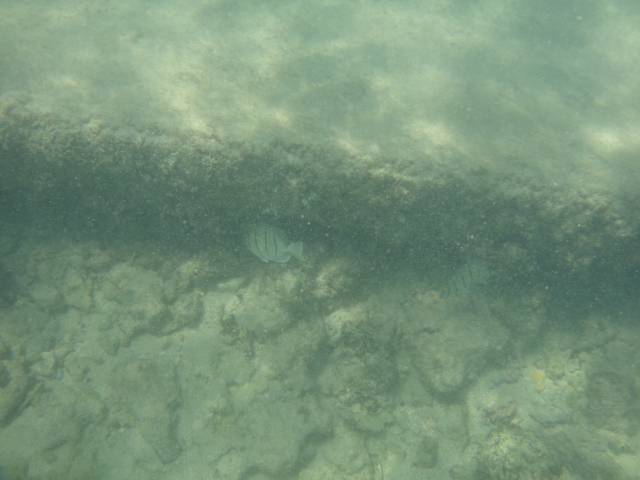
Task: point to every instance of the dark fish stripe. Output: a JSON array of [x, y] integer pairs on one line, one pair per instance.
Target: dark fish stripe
[[463, 276], [266, 235], [256, 236], [275, 244], [269, 242], [254, 241], [262, 241]]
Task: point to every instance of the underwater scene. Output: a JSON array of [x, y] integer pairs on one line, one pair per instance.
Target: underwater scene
[[313, 240]]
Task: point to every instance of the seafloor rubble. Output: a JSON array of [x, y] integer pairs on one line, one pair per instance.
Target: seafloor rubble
[[131, 362]]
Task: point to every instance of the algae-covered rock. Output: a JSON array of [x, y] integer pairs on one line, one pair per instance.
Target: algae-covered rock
[[14, 383], [260, 309], [342, 320], [347, 452], [151, 391], [186, 312], [612, 402], [135, 296], [54, 435], [8, 288], [47, 297], [14, 386], [183, 279], [276, 438], [147, 314], [361, 372], [512, 453], [336, 277], [450, 347], [360, 381], [427, 452], [199, 273], [76, 289]]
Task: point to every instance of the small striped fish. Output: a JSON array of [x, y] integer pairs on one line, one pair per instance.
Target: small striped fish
[[271, 244], [475, 272]]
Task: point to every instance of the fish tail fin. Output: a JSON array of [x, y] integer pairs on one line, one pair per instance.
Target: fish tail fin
[[295, 249]]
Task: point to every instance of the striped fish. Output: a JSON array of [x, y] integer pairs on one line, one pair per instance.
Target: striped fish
[[475, 272], [271, 244]]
